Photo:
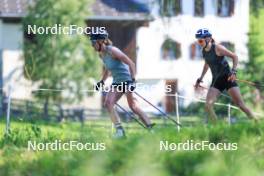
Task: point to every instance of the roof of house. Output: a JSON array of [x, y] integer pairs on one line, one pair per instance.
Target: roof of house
[[101, 9]]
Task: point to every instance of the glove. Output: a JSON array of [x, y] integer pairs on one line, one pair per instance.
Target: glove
[[232, 75], [129, 86], [99, 85], [198, 81], [132, 85]]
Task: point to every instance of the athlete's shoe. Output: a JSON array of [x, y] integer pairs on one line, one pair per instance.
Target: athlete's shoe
[[120, 133], [150, 126]]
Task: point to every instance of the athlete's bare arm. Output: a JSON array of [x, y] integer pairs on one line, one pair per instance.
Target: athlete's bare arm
[[106, 73], [205, 69]]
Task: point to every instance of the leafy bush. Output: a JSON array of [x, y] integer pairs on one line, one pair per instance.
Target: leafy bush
[[139, 154]]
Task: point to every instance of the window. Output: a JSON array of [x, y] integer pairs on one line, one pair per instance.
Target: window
[[225, 8], [230, 46], [171, 50], [170, 8], [199, 8], [196, 51]]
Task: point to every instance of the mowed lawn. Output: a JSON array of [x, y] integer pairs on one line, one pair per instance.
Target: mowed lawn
[[138, 154]]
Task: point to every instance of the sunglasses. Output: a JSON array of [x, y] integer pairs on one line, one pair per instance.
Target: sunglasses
[[200, 41]]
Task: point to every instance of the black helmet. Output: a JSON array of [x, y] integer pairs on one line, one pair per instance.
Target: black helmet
[[99, 36]]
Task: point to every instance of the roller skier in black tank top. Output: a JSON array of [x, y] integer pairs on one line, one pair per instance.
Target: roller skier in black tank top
[[224, 78]]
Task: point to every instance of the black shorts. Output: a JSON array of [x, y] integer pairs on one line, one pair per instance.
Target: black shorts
[[122, 86], [221, 83]]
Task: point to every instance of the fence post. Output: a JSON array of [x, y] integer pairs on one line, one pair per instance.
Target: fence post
[[177, 110], [229, 114], [8, 110]]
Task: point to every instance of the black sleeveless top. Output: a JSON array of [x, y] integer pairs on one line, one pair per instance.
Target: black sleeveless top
[[217, 64]]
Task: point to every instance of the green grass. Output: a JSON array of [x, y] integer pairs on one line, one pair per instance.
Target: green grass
[[139, 154]]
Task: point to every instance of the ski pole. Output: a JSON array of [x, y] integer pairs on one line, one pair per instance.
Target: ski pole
[[166, 115], [131, 115]]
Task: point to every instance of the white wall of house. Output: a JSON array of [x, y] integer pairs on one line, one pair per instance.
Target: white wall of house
[[11, 40], [182, 28]]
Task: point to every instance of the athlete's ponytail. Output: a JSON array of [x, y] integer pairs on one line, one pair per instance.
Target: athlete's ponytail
[[213, 41], [108, 42]]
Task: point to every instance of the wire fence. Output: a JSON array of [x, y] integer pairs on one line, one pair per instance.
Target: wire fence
[[31, 109]]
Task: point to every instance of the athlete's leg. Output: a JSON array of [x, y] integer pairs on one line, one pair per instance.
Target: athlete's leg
[[234, 92], [211, 97], [111, 98], [132, 102]]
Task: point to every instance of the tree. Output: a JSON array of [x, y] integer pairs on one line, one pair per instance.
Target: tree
[[255, 65], [256, 6], [59, 61]]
